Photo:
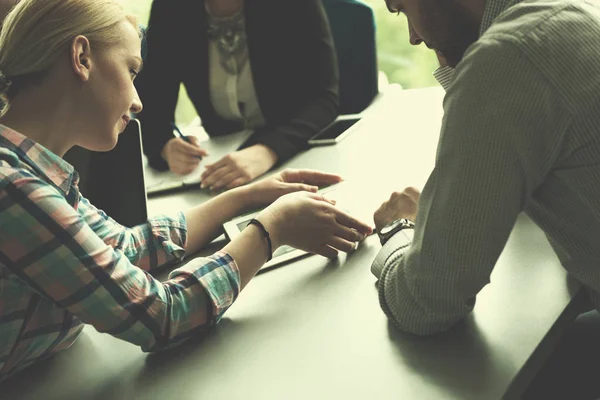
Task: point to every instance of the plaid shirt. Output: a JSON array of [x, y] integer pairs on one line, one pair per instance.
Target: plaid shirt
[[64, 263]]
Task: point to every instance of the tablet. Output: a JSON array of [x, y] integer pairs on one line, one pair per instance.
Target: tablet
[[283, 254]]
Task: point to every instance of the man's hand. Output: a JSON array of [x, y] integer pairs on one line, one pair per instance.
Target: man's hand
[[400, 205], [238, 168]]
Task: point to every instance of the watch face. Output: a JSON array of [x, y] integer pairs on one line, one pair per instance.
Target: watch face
[[391, 226]]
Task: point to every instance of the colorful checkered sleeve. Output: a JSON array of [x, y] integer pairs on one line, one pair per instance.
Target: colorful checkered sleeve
[[149, 245], [60, 267]]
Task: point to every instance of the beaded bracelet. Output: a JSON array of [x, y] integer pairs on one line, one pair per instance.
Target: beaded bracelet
[[265, 234]]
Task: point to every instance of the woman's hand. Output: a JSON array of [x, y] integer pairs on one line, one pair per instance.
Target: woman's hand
[[312, 223], [269, 189], [238, 168], [181, 156]]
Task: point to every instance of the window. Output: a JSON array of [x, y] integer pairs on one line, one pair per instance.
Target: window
[[410, 66]]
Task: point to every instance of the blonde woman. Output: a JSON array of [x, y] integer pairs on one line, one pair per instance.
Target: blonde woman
[[67, 70]]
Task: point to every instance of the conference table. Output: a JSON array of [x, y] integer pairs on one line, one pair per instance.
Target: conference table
[[313, 328]]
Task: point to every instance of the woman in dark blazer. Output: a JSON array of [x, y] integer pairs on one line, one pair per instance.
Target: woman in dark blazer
[[273, 69]]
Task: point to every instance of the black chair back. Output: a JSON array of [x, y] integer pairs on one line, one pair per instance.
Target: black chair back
[[353, 28]]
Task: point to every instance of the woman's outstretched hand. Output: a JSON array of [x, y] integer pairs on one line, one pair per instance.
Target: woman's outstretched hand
[[269, 189], [311, 222]]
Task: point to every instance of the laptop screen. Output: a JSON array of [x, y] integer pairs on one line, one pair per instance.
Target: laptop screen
[[113, 181]]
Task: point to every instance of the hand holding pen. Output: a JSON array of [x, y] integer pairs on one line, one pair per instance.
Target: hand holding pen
[[182, 153]]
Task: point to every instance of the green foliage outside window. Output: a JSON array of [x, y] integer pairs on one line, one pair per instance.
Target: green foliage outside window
[[410, 66]]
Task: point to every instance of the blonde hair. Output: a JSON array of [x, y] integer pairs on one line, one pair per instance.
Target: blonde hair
[[36, 32]]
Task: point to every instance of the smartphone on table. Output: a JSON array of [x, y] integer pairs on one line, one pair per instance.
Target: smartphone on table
[[336, 131]]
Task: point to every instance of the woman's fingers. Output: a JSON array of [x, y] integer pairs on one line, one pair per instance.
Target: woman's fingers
[[190, 149], [224, 161], [341, 244], [188, 160], [214, 176], [349, 234], [225, 180], [347, 220], [301, 187], [311, 177], [320, 197], [314, 224]]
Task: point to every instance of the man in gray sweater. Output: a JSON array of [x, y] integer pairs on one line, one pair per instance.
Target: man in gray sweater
[[521, 132]]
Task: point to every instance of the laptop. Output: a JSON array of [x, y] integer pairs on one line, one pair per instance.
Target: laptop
[[114, 181]]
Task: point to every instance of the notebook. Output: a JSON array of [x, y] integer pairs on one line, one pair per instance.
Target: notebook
[[161, 182]]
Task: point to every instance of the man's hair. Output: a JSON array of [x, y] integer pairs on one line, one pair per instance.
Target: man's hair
[[36, 32]]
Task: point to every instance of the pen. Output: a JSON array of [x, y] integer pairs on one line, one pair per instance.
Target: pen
[[181, 135]]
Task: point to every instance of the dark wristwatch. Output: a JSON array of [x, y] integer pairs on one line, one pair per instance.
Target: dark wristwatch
[[394, 227]]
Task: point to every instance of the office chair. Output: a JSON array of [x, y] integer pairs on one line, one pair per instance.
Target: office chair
[[352, 25]]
